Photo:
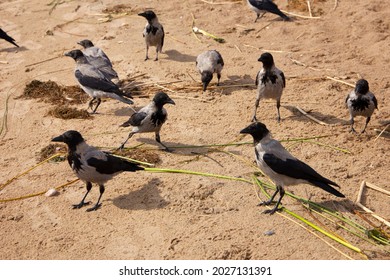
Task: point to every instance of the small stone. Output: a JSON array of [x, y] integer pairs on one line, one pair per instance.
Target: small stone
[[51, 192], [269, 232]]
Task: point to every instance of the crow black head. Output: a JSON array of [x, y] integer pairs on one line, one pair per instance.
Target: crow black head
[[257, 129], [85, 43], [75, 54], [267, 60], [72, 138], [207, 76], [161, 98], [361, 86], [149, 15]]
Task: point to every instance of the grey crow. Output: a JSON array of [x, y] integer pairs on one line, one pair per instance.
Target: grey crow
[[208, 63], [153, 33], [150, 118], [98, 58], [93, 82], [92, 165], [361, 102], [270, 82], [6, 37], [260, 7], [281, 167]]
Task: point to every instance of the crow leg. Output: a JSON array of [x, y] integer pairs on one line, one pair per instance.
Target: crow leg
[[147, 51], [269, 202], [281, 193], [82, 203], [365, 126], [90, 104], [219, 78], [156, 54], [127, 139], [159, 141], [259, 16], [97, 205], [254, 119], [97, 105], [352, 122], [278, 108]]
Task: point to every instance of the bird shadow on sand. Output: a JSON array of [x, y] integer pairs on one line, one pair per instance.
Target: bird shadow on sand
[[177, 56], [232, 84], [175, 147], [13, 49], [126, 111], [329, 119], [342, 205], [146, 198]]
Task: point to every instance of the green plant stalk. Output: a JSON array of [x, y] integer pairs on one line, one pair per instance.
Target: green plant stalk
[[134, 160], [343, 227], [320, 207], [335, 238], [165, 170], [328, 146], [346, 244], [334, 214]]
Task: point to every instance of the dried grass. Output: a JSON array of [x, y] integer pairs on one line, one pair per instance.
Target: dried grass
[[140, 155]]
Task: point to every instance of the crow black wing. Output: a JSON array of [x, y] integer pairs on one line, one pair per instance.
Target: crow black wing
[[297, 169], [97, 83], [112, 164]]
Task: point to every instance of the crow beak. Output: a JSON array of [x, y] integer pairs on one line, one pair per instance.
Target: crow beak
[[79, 43], [170, 101], [142, 14], [58, 139], [260, 59], [245, 131], [67, 54]]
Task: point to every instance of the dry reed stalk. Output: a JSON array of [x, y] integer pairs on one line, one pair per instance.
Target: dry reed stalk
[[339, 81], [359, 199], [42, 61], [3, 62], [310, 117], [384, 131], [265, 26], [336, 3], [300, 16], [177, 40], [309, 8], [221, 3]]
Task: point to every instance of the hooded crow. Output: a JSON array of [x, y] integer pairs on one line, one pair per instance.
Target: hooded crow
[[5, 36], [94, 82], [270, 82], [361, 102], [281, 167], [98, 58], [92, 165], [208, 63], [153, 33], [150, 118], [260, 7]]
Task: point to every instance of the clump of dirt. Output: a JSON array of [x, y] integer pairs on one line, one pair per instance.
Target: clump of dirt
[[66, 113], [119, 9], [51, 150], [141, 155], [51, 92], [60, 96]]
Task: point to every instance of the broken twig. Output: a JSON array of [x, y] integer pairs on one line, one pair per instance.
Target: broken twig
[[310, 117]]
